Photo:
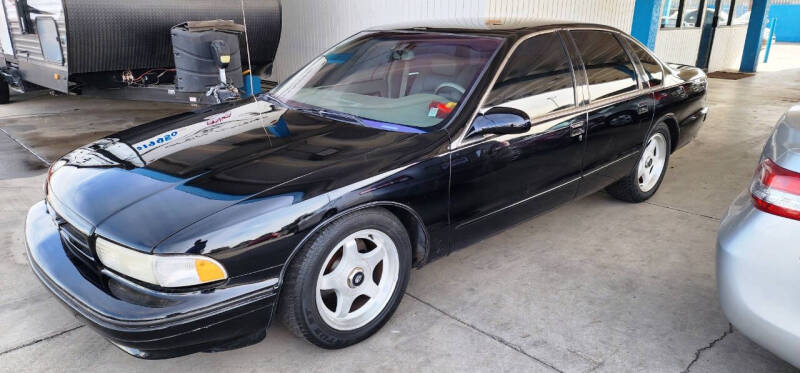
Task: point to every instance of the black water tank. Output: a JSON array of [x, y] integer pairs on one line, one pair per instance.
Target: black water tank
[[195, 69]]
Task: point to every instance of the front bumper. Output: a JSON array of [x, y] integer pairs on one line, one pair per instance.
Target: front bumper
[[143, 322], [758, 269]]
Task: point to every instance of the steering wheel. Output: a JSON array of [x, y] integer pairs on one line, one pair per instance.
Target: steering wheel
[[452, 86]]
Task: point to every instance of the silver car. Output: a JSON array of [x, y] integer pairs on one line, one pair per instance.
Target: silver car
[[758, 248]]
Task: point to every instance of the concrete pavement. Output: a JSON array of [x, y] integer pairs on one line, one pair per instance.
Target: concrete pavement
[[597, 285]]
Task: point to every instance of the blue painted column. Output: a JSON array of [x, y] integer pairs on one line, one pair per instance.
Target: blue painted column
[[752, 42], [645, 21]]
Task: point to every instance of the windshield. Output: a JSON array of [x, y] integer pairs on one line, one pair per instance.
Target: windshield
[[393, 80]]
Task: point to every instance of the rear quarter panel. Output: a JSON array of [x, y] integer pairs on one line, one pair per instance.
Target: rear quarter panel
[[682, 97]]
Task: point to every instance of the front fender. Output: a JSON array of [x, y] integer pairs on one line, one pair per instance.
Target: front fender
[[252, 239], [422, 250], [255, 238]]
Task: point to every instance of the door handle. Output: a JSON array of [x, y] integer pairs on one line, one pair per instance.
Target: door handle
[[576, 129]]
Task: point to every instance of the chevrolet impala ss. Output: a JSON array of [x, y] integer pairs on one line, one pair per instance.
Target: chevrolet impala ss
[[311, 203]]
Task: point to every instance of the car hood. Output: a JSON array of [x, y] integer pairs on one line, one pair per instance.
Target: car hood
[[141, 185]]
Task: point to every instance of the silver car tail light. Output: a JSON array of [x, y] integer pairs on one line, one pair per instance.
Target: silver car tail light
[[776, 190]]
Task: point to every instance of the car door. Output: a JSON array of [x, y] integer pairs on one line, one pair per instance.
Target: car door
[[619, 109], [505, 177]]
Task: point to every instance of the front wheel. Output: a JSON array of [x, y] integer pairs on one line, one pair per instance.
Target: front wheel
[[347, 280], [643, 181]]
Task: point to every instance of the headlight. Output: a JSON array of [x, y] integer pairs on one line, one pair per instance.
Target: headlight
[[163, 270]]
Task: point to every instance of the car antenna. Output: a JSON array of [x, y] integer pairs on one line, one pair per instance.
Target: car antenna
[[250, 75]]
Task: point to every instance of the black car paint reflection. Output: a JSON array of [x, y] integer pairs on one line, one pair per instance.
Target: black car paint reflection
[[230, 171]]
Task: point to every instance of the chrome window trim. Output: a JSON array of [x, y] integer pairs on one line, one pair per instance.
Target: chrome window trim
[[460, 138], [564, 113], [637, 65], [640, 69], [639, 87], [463, 131], [575, 57], [552, 114], [615, 99], [650, 53]]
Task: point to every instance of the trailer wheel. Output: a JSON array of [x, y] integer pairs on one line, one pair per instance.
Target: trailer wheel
[[5, 94]]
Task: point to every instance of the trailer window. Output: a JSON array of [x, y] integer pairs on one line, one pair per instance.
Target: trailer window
[[24, 17]]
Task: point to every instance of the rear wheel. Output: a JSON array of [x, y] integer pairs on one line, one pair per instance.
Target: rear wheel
[[645, 178], [5, 93], [347, 280]]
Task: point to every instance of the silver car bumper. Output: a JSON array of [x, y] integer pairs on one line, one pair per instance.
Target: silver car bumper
[[758, 276]]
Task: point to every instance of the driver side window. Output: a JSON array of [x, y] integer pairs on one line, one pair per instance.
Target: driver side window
[[537, 78]]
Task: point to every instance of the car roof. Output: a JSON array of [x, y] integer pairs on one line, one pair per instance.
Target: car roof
[[506, 29]]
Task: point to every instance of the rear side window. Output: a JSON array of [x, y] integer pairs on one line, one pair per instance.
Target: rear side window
[[608, 67], [652, 69], [537, 78]]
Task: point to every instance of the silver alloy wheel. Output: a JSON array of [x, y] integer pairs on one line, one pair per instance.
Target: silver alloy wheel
[[651, 165], [357, 279]]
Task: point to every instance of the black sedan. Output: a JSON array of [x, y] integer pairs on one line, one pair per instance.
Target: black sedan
[[311, 203]]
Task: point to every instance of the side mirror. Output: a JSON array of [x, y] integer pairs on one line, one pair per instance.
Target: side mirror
[[500, 121]]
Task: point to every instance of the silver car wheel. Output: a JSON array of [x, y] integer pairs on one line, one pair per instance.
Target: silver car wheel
[[651, 165], [357, 279]]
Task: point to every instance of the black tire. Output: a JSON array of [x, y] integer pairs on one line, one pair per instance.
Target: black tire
[[5, 93], [297, 307], [627, 189]]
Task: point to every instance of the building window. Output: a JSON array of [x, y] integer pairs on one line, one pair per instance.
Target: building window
[[670, 11], [687, 11], [724, 16], [725, 9], [741, 12], [692, 13]]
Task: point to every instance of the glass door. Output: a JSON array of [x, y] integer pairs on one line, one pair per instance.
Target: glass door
[[714, 16]]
